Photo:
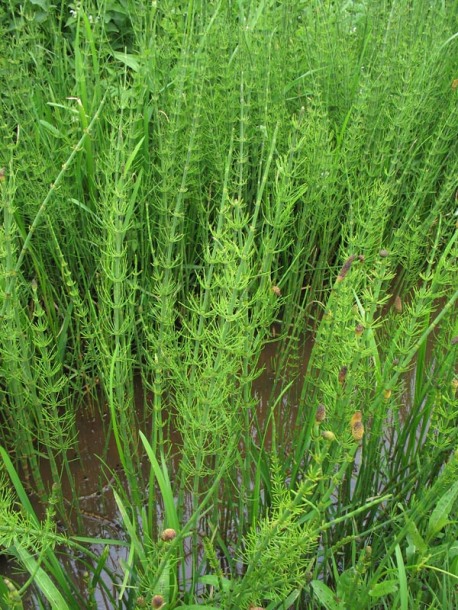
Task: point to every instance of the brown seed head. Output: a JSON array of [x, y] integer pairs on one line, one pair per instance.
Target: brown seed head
[[359, 330], [276, 290], [168, 534], [397, 304], [141, 601], [356, 417], [357, 431], [320, 414], [157, 601]]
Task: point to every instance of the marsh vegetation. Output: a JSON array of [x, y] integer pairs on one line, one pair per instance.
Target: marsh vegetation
[[187, 184]]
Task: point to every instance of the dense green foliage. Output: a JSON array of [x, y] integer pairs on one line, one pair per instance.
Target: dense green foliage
[[184, 183]]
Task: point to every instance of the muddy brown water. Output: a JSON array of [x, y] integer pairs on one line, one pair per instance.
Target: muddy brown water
[[98, 516]]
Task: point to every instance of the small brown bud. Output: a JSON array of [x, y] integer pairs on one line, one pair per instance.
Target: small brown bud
[[384, 253], [168, 534], [397, 304], [346, 268], [157, 601], [356, 424], [276, 290], [356, 417], [141, 601], [320, 414], [359, 330], [357, 431], [343, 374]]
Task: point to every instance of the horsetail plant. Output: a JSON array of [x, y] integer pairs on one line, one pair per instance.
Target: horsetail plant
[[228, 237]]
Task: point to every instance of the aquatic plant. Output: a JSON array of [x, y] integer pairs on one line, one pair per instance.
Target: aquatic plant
[[187, 187]]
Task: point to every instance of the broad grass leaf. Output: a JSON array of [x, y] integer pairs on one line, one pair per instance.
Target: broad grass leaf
[[131, 528], [16, 481], [131, 61], [44, 4], [286, 603], [42, 580], [440, 515], [348, 584], [386, 587], [415, 540], [51, 129], [218, 582], [163, 480], [326, 596], [132, 156], [454, 566], [402, 579]]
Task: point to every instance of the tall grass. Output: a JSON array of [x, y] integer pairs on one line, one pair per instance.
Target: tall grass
[[183, 184]]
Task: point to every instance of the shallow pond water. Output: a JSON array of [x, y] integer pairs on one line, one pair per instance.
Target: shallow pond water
[[93, 512]]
